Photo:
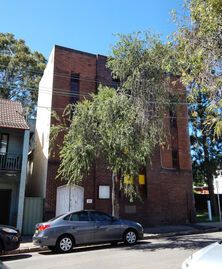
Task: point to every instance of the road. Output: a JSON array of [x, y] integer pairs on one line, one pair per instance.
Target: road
[[164, 253]]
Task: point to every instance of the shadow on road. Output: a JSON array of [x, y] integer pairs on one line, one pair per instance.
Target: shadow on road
[[85, 249], [14, 257], [176, 242]]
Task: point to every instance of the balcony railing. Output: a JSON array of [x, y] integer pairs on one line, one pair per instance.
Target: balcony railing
[[10, 162]]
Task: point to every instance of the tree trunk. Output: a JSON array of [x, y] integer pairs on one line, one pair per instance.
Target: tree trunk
[[115, 196]]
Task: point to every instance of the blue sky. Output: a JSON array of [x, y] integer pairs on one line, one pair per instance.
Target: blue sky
[[87, 25]]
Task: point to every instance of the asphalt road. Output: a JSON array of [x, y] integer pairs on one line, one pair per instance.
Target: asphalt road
[[164, 253]]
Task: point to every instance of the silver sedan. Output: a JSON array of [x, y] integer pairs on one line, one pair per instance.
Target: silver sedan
[[85, 227], [206, 258]]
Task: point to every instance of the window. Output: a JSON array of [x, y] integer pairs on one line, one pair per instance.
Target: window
[[98, 216], [4, 143], [78, 216], [175, 159], [173, 117], [104, 192], [74, 88]]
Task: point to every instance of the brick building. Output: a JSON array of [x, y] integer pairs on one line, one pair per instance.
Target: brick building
[[167, 186]]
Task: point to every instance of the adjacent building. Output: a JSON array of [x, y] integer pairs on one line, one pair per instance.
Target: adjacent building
[[14, 146], [165, 186]]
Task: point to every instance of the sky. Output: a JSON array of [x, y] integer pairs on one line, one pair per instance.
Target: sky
[[86, 25]]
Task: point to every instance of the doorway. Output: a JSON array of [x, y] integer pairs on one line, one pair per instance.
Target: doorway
[[5, 204], [69, 198]]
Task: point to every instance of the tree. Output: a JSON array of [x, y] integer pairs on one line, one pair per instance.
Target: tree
[[107, 127], [206, 151], [196, 53], [20, 71], [138, 62]]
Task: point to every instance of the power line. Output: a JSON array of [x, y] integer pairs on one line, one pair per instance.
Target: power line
[[64, 92], [85, 79]]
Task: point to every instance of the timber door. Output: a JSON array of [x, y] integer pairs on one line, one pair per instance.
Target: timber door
[[69, 198], [5, 204]]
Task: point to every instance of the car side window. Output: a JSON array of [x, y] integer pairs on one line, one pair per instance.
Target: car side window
[[67, 217], [79, 216], [97, 216]]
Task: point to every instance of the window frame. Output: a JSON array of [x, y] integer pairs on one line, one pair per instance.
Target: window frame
[[1, 141], [68, 217], [74, 92], [105, 198]]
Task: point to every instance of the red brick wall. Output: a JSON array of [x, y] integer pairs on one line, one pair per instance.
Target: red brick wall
[[169, 191]]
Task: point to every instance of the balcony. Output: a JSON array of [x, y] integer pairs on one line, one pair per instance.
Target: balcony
[[10, 162]]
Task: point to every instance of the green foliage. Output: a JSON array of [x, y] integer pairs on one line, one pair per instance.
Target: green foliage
[[196, 54], [20, 70], [106, 127], [206, 149], [138, 61], [79, 148]]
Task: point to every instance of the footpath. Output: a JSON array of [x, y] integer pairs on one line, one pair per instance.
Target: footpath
[[149, 233]]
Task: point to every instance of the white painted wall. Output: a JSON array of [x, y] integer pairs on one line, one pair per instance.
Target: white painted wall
[[40, 161]]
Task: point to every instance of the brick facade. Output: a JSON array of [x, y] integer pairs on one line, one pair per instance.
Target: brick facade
[[168, 197]]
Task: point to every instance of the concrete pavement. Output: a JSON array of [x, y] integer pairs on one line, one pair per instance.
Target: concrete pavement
[[149, 232]]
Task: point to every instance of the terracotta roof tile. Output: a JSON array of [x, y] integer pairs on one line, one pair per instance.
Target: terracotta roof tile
[[11, 115]]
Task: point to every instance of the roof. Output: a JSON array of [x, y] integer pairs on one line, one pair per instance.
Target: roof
[[11, 115]]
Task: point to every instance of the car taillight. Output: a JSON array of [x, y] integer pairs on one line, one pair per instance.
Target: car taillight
[[43, 227]]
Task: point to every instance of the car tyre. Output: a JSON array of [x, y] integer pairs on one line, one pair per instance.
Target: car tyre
[[130, 237], [64, 244]]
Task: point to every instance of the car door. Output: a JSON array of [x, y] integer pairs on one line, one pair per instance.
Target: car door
[[81, 227], [107, 228]]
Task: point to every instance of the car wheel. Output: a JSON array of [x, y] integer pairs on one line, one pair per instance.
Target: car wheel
[[64, 243], [130, 237]]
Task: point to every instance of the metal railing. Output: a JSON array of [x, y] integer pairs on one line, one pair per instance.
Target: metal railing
[[10, 161]]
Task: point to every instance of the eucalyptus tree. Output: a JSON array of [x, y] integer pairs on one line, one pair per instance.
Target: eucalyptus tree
[[107, 127], [196, 55], [20, 70], [206, 150]]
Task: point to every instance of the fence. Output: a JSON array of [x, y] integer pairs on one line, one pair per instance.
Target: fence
[[10, 162]]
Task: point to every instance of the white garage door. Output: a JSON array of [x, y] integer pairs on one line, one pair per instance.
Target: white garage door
[[69, 198]]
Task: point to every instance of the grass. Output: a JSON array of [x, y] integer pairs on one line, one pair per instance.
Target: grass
[[203, 217]]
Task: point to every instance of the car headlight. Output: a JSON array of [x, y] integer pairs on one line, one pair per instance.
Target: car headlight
[[9, 230]]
